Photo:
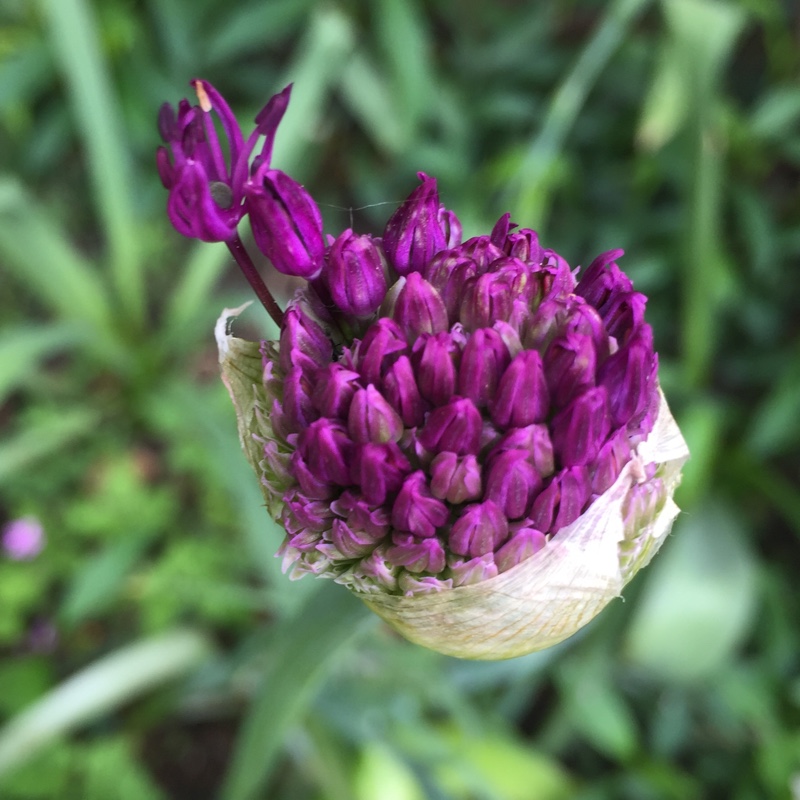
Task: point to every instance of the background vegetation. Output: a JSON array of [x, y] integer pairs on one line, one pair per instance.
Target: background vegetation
[[153, 650]]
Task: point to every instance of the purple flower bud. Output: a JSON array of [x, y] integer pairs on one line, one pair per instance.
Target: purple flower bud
[[482, 251], [522, 397], [603, 279], [416, 555], [334, 389], [451, 227], [623, 314], [419, 308], [286, 223], [455, 427], [355, 510], [327, 450], [484, 301], [352, 543], [613, 456], [512, 483], [474, 570], [580, 429], [372, 419], [437, 359], [301, 513], [448, 273], [562, 501], [569, 365], [517, 277], [535, 441], [379, 469], [524, 245], [629, 378], [297, 409], [303, 343], [416, 510], [414, 232], [481, 528], [311, 483], [410, 585], [456, 478], [379, 569], [522, 545], [484, 360], [355, 275], [23, 538], [383, 343], [500, 230], [400, 389]]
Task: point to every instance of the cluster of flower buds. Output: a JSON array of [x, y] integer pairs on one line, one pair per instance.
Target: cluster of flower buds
[[436, 411]]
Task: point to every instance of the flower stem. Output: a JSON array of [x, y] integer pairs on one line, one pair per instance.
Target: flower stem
[[245, 263]]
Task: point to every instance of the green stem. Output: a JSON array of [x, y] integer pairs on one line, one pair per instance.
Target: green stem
[[247, 266]]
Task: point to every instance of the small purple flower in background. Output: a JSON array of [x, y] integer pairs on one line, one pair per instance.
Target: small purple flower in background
[[467, 435], [23, 539]]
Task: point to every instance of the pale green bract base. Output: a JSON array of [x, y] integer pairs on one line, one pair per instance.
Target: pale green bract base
[[536, 604]]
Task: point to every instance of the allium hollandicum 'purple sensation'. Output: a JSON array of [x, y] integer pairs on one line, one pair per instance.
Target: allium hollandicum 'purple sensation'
[[438, 410]]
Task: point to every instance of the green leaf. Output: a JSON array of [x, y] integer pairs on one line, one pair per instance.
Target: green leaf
[[99, 688], [596, 709], [321, 56], [99, 581], [699, 600], [47, 436], [302, 651], [777, 114], [531, 181], [666, 105], [75, 38], [36, 252], [380, 775], [22, 347]]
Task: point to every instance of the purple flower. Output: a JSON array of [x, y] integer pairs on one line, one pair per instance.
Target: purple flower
[[523, 395], [355, 274], [512, 483], [415, 232], [416, 510], [286, 223], [416, 555], [480, 529], [437, 358], [455, 427], [419, 308], [372, 418], [437, 431], [23, 538], [456, 478], [484, 360], [206, 189]]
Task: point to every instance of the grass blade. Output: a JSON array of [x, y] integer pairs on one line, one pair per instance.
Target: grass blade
[[532, 178], [24, 346], [74, 35], [99, 688], [48, 436], [303, 649], [36, 252]]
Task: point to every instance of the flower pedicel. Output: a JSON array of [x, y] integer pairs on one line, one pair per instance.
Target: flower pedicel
[[465, 435]]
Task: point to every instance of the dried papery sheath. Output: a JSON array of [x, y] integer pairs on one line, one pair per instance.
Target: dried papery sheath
[[469, 436]]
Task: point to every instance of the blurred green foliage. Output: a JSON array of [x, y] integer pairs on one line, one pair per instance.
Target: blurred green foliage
[[153, 650]]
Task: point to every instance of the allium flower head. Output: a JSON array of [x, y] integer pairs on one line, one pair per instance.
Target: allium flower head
[[460, 433]]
